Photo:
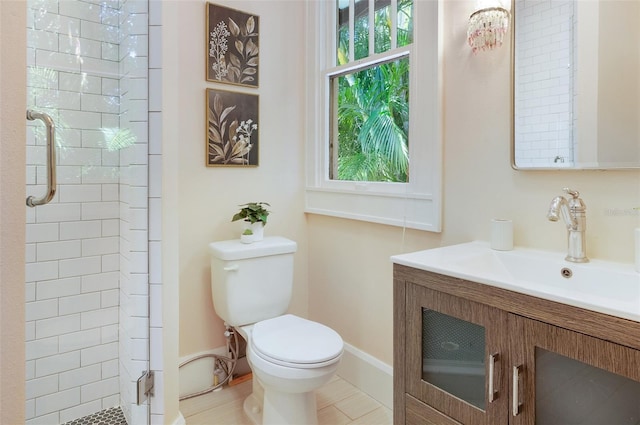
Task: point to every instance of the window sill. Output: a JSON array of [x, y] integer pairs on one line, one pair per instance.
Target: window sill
[[411, 210]]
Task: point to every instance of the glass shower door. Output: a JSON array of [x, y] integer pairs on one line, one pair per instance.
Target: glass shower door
[[87, 315]]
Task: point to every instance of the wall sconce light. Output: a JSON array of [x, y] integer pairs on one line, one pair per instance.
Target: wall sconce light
[[487, 27]]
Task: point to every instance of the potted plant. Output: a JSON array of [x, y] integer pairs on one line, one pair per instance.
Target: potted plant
[[247, 236], [255, 216]]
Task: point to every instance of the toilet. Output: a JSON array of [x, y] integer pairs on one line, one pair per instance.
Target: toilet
[[291, 357]]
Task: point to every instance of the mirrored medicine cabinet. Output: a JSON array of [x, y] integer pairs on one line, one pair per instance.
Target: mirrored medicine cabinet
[[576, 84]]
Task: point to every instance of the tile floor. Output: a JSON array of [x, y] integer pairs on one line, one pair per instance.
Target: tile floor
[[339, 403]]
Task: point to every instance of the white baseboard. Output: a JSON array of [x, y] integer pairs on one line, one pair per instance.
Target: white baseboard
[[368, 374], [179, 420]]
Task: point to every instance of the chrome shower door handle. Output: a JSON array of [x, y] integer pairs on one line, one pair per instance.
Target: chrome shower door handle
[[51, 158]]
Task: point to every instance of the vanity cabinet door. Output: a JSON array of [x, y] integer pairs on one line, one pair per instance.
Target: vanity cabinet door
[[565, 377], [457, 356]]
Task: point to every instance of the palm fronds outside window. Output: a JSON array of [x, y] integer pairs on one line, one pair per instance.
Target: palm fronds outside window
[[370, 119]]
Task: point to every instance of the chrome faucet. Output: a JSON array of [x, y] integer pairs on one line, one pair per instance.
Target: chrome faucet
[[574, 214]]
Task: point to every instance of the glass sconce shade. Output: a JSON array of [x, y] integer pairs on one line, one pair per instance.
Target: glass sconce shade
[[487, 28]]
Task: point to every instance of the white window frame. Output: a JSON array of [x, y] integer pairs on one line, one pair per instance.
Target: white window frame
[[416, 204]]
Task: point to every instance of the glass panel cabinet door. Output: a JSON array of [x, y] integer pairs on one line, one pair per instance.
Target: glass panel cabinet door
[[457, 359], [453, 357], [570, 378]]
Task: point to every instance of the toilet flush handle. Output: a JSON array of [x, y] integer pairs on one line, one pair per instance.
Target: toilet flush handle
[[231, 268]]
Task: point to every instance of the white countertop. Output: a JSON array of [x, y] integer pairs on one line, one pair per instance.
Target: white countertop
[[602, 286]]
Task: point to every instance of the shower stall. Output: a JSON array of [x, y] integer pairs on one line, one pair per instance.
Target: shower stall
[[91, 289]]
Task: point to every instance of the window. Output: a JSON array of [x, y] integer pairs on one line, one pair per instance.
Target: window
[[374, 111], [371, 129], [370, 103]]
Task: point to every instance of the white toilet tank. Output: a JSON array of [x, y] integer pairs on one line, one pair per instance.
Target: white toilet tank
[[251, 282]]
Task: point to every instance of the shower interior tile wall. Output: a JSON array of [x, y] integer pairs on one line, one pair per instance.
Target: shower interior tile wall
[[87, 272], [546, 66]]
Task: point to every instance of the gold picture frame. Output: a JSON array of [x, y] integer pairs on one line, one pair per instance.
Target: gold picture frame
[[232, 47]]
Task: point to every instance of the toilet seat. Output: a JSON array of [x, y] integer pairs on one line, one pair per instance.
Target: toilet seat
[[296, 342]]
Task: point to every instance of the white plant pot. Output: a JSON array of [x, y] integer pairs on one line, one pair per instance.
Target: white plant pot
[[258, 232]]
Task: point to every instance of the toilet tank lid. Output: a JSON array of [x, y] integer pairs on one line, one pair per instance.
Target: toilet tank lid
[[236, 250]]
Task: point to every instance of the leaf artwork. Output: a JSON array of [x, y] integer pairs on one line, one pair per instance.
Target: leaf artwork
[[233, 48], [229, 142]]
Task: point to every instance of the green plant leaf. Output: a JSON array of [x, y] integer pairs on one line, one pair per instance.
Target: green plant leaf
[[239, 215], [252, 212]]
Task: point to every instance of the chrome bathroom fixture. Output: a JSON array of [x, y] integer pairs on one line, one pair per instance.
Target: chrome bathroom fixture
[[51, 158], [574, 214]]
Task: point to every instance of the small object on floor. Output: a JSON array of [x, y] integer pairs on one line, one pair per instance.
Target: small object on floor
[[240, 379]]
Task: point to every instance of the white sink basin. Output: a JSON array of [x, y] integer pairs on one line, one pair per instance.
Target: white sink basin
[[606, 287]]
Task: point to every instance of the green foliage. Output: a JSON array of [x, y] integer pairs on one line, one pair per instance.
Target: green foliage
[[373, 104], [252, 212], [373, 123]]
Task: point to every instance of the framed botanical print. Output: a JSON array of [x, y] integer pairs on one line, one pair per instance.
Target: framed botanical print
[[232, 128], [233, 51]]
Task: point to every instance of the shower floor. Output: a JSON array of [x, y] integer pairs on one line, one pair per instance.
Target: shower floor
[[112, 416]]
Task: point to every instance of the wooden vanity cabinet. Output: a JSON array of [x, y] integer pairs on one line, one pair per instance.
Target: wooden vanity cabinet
[[457, 342]]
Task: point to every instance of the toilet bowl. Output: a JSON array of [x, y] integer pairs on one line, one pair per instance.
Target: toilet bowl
[[290, 358]]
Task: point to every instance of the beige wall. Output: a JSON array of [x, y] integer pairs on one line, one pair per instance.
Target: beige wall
[[12, 217], [349, 268], [208, 196]]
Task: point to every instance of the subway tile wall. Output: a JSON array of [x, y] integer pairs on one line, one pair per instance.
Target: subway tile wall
[[546, 68], [88, 268], [133, 312]]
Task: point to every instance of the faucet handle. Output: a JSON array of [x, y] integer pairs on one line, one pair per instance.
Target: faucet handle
[[574, 193], [575, 203]]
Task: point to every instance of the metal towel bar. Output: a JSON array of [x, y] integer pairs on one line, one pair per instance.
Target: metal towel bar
[[51, 158]]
